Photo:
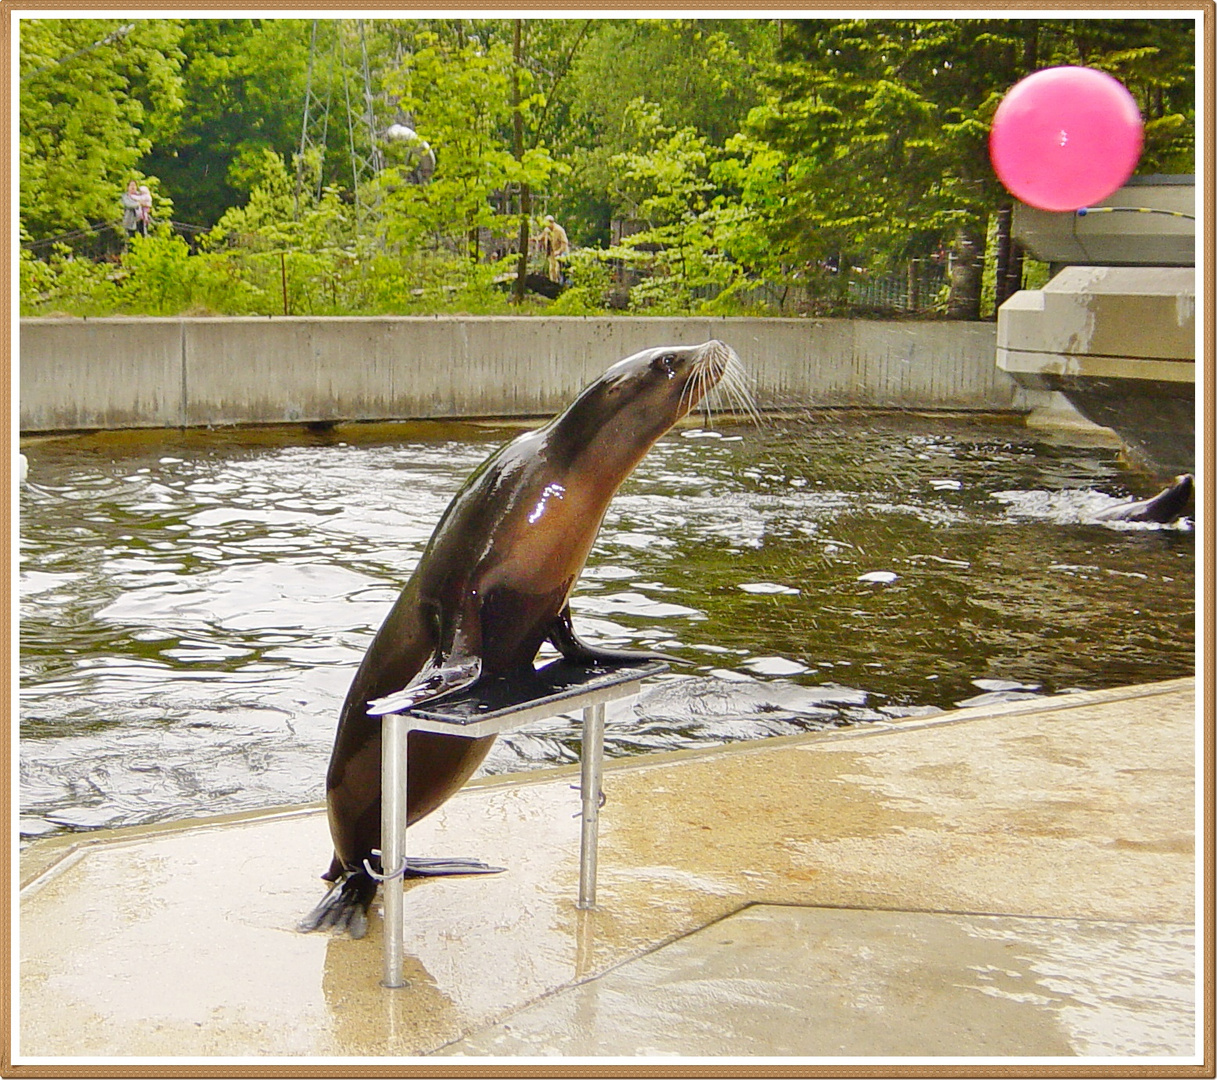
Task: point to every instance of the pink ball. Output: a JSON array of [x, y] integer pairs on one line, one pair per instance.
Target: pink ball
[[1065, 137]]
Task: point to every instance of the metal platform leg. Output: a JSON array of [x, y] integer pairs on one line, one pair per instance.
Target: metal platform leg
[[393, 771], [593, 759]]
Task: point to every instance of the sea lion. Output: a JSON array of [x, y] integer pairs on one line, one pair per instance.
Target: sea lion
[[494, 583], [1168, 505]]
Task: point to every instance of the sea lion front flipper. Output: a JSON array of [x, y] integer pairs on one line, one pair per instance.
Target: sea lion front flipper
[[438, 678], [447, 670], [563, 637]]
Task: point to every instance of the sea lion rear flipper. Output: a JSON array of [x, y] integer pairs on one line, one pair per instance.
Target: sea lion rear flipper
[[344, 907], [431, 867], [1166, 507], [563, 637], [1171, 503]]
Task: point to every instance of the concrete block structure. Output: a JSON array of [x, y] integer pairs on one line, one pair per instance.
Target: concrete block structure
[[82, 374]]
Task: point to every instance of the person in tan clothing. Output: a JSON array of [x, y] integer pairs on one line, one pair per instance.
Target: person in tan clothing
[[556, 246]]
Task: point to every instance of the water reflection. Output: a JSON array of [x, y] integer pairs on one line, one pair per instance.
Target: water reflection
[[193, 604]]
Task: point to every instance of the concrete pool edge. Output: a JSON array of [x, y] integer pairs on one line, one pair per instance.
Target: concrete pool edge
[[43, 856], [1057, 817]]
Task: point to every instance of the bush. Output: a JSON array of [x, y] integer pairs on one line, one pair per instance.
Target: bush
[[592, 282], [68, 285]]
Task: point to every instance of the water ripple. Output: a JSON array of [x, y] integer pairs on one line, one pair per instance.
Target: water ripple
[[193, 605]]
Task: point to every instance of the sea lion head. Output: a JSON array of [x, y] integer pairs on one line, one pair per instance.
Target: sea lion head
[[639, 398]]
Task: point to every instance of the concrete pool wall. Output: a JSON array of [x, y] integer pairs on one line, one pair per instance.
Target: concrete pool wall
[[85, 374]]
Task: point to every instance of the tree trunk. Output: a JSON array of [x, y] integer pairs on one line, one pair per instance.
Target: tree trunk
[[1031, 46], [841, 285], [1014, 271], [1009, 277], [517, 120], [1004, 251], [522, 262], [967, 268]]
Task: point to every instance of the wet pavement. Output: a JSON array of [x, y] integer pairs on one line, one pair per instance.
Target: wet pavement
[[813, 982], [1013, 881]]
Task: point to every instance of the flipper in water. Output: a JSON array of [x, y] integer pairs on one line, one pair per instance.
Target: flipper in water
[[1167, 506]]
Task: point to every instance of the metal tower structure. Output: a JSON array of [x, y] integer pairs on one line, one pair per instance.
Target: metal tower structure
[[338, 94]]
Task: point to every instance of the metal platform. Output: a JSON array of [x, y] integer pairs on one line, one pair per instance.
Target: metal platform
[[490, 707]]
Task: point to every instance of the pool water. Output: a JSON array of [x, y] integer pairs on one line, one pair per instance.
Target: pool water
[[193, 604]]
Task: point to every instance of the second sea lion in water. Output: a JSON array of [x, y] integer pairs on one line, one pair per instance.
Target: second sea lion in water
[[1167, 506], [493, 583]]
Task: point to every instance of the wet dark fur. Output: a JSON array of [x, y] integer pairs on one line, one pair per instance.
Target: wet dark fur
[[1168, 505]]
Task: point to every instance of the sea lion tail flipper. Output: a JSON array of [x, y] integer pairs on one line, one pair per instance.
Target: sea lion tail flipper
[[438, 678], [344, 907], [563, 637]]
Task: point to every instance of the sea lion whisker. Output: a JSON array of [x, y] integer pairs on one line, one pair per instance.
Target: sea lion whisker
[[747, 405], [705, 389], [696, 388], [685, 404], [734, 392], [736, 387]]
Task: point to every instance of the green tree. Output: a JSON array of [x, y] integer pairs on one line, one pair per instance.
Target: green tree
[[95, 95], [884, 126], [1155, 59], [243, 85], [460, 97], [703, 74], [878, 122], [477, 108], [750, 178], [666, 185], [739, 151]]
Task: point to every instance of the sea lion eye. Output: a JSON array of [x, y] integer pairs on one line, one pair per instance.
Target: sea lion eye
[[666, 363]]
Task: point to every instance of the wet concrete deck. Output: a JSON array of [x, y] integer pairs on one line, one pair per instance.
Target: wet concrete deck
[[1007, 881]]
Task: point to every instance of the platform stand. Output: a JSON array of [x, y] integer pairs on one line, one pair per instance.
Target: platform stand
[[591, 762], [489, 708]]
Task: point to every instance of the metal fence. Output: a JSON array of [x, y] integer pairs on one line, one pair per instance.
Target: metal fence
[[103, 241], [921, 289]]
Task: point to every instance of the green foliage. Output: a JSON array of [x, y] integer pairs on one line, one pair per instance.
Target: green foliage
[[883, 126], [244, 81], [700, 73], [666, 185], [64, 285], [95, 95], [882, 137], [743, 160], [160, 272], [260, 260], [1156, 60], [592, 277], [464, 93]]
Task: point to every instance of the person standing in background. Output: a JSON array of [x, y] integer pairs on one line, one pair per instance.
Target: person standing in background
[[131, 207], [556, 246], [144, 214]]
